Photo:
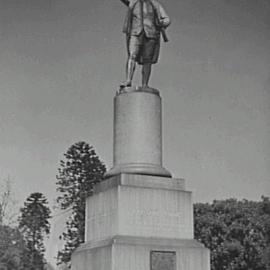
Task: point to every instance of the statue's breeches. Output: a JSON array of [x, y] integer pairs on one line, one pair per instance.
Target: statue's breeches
[[143, 49]]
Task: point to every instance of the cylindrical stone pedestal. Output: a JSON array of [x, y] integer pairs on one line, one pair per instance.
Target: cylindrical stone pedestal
[[138, 134]]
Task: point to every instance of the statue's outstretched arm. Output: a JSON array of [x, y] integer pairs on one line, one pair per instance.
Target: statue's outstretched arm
[[126, 2]]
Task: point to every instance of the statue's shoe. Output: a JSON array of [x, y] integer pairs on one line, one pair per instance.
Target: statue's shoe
[[125, 84]]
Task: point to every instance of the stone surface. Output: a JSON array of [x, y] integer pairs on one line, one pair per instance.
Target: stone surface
[[137, 134], [137, 205], [134, 253]]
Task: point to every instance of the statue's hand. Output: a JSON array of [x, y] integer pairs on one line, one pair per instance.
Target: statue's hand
[[164, 22]]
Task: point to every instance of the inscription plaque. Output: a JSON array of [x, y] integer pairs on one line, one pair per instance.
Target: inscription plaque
[[163, 260]]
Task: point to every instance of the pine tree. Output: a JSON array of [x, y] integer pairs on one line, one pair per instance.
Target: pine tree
[[34, 225], [77, 175]]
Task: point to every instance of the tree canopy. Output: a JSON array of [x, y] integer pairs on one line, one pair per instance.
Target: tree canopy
[[236, 232]]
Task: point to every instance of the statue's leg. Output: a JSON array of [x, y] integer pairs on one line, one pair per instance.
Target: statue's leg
[[146, 72], [133, 50], [130, 68]]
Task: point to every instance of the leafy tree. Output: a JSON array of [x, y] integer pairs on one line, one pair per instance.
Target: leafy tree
[[265, 209], [77, 175], [11, 240], [11, 248], [34, 225], [236, 232]]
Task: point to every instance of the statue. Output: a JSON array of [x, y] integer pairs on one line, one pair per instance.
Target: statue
[[144, 22]]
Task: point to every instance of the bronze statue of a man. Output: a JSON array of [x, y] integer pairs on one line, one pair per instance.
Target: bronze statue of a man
[[144, 22]]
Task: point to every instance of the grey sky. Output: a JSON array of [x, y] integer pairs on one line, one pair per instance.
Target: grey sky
[[60, 65]]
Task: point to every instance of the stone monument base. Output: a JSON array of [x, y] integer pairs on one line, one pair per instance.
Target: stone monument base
[[140, 222], [139, 253]]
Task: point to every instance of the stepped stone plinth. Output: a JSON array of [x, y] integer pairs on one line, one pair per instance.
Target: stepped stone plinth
[[139, 217]]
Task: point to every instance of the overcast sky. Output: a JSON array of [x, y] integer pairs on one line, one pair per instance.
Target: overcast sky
[[60, 65]]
